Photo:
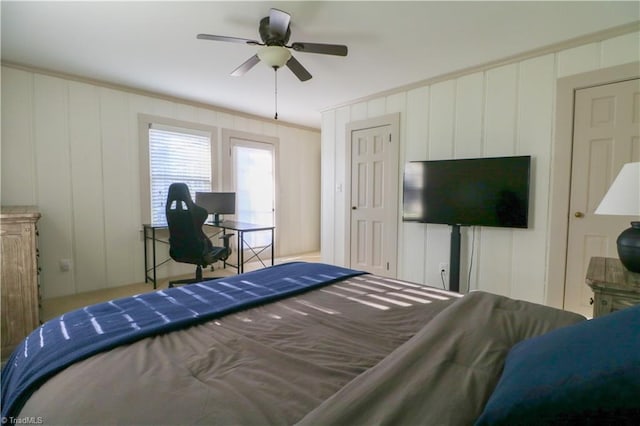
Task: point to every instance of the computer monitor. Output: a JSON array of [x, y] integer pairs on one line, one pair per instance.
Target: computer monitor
[[217, 203]]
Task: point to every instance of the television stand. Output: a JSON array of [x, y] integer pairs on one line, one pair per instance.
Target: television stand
[[454, 259]]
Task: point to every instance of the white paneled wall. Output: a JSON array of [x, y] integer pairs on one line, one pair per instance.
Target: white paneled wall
[[507, 109], [71, 148]]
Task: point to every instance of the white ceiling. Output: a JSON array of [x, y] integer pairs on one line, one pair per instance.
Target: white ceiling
[[152, 45]]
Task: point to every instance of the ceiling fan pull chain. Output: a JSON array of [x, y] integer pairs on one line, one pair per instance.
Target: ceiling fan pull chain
[[275, 71]]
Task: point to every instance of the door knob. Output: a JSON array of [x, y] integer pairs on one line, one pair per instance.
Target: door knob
[[354, 208], [578, 214]]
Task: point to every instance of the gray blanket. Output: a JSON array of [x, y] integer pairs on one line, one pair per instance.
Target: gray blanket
[[445, 374], [268, 365], [365, 351]]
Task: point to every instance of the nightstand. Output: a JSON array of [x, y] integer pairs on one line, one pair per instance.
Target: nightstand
[[614, 286]]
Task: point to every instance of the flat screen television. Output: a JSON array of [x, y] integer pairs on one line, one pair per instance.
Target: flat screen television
[[468, 192]]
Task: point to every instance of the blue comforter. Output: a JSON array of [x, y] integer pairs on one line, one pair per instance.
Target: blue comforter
[[85, 332]]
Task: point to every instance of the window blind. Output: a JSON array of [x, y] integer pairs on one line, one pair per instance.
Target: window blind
[[177, 156]]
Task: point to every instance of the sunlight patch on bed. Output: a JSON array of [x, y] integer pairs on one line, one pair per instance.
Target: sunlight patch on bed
[[367, 287], [355, 299], [350, 290], [412, 298], [292, 309], [394, 287], [389, 300], [318, 308], [426, 294], [405, 284], [373, 305]]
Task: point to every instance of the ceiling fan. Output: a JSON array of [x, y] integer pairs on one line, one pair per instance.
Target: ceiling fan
[[275, 32]]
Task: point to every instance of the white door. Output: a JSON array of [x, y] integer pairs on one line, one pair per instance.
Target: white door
[[606, 136], [374, 200], [253, 180]]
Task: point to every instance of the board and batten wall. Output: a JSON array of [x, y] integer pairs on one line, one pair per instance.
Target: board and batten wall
[[495, 110], [72, 148]]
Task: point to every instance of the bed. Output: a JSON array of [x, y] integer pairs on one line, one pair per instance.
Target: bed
[[315, 344]]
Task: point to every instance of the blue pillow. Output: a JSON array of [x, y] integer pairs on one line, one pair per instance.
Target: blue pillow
[[587, 374]]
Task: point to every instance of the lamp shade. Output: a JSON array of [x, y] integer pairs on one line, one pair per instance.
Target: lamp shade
[[274, 56], [623, 197]]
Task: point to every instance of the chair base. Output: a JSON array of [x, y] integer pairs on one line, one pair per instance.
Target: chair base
[[197, 279], [221, 256]]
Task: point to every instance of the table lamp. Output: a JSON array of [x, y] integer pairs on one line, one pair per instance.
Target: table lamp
[[623, 198]]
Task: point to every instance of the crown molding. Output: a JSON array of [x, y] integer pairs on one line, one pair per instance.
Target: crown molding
[[552, 48]]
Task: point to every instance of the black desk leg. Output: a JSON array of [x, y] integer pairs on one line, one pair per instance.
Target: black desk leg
[[224, 262], [241, 252], [146, 239], [146, 263], [153, 234]]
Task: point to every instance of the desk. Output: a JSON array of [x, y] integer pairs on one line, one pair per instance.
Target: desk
[[240, 228]]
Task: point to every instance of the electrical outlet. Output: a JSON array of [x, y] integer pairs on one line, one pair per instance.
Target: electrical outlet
[[443, 267], [65, 265]]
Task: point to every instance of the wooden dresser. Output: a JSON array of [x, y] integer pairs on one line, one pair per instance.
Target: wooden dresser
[[19, 295], [614, 286]]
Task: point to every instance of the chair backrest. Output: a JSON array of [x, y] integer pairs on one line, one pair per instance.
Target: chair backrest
[[187, 242]]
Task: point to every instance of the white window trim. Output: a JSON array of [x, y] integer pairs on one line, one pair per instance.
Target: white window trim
[[227, 136], [144, 121]]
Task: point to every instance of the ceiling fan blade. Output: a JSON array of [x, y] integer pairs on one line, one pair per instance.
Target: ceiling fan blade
[[225, 38], [279, 22], [325, 49], [297, 68], [246, 66]]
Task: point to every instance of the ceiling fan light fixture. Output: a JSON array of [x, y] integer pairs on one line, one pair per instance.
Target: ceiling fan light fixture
[[274, 56]]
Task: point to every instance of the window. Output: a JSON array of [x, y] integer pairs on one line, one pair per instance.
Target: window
[[175, 152]]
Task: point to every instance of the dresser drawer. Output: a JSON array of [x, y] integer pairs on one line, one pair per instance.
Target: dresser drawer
[[619, 302], [605, 303]]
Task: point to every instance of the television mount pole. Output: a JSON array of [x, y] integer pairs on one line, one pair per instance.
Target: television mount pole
[[454, 259]]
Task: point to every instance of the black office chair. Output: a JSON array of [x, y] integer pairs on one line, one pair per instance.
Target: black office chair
[[187, 242]]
